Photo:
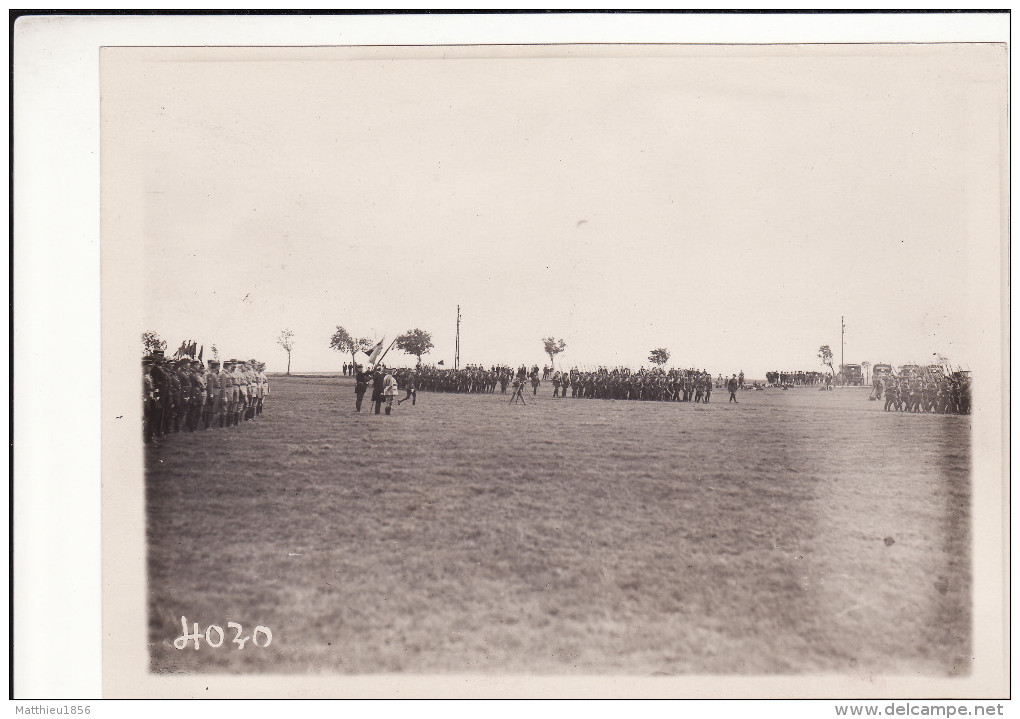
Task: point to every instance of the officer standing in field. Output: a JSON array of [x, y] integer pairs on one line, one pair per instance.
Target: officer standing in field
[[228, 393], [390, 390], [212, 394], [265, 385], [361, 380], [233, 393], [198, 392], [732, 387], [377, 388], [178, 403], [148, 400]]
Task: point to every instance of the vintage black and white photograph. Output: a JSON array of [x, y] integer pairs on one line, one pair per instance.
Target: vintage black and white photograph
[[628, 361]]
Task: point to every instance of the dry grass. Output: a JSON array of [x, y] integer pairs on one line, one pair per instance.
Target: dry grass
[[569, 536]]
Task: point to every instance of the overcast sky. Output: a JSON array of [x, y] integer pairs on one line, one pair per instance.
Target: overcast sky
[[729, 204]]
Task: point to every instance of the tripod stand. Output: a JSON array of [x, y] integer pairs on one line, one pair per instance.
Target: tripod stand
[[518, 392]]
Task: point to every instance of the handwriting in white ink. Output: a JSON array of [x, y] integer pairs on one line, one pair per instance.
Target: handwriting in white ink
[[214, 636]]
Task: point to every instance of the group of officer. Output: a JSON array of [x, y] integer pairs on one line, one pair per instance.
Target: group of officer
[[931, 393], [183, 394]]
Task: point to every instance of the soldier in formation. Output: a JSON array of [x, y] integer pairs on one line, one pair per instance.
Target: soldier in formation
[[185, 395], [927, 392], [676, 385]]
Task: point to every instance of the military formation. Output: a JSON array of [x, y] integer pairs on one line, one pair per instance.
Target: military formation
[[470, 379], [655, 384], [925, 392], [677, 385], [184, 395]]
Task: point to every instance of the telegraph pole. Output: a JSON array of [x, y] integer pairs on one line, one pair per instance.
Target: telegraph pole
[[456, 351], [842, 333]]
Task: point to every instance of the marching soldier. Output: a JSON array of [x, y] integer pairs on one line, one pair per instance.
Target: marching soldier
[[411, 385]]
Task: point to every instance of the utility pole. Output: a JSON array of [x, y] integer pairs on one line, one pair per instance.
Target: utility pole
[[456, 351], [842, 332]]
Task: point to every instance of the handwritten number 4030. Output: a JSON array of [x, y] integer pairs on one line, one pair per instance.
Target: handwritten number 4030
[[214, 635]]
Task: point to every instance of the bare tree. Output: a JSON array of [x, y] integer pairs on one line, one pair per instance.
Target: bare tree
[[659, 356], [553, 347], [286, 340]]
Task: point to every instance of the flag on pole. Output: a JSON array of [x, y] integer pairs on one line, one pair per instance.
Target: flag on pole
[[374, 353], [200, 351], [381, 357]]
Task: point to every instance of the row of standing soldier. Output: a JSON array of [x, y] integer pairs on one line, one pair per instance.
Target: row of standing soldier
[[690, 385], [656, 384], [182, 394]]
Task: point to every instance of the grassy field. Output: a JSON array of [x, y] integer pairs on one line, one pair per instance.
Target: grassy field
[[796, 532]]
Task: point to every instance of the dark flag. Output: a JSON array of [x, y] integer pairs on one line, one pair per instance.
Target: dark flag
[[440, 362], [200, 351], [183, 349]]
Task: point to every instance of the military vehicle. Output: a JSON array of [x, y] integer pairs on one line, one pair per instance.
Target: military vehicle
[[851, 375]]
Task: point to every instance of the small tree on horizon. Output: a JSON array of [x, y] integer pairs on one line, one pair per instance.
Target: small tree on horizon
[[152, 343], [553, 347], [286, 340], [825, 355], [342, 341], [659, 356], [415, 342]]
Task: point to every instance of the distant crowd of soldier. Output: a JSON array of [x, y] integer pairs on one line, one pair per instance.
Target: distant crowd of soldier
[[182, 394], [678, 385], [795, 379], [656, 384], [924, 392]]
